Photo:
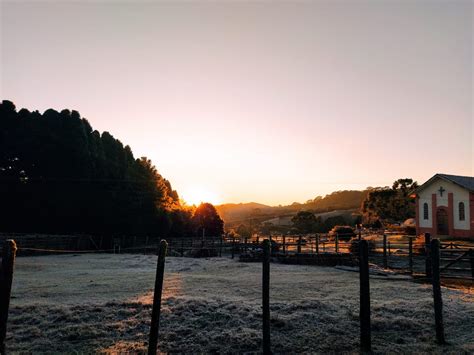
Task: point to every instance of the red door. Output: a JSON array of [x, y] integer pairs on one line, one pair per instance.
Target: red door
[[442, 221]]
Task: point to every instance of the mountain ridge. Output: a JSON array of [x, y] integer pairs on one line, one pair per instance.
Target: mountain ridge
[[337, 200]]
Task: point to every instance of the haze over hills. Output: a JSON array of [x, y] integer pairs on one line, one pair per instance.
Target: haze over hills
[[338, 200], [235, 211]]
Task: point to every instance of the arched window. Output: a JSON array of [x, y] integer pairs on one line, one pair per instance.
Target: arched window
[[462, 213], [425, 211]]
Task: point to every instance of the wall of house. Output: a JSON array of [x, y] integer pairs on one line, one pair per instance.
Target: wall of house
[[425, 223], [451, 198]]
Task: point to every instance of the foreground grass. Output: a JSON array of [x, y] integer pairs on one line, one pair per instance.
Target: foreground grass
[[102, 303]]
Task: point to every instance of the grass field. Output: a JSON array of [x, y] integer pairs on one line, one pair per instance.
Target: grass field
[[102, 303]]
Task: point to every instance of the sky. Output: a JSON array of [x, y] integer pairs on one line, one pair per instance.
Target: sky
[[273, 102]]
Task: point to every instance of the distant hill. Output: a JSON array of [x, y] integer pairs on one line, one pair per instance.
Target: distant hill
[[285, 220], [336, 201], [236, 211]]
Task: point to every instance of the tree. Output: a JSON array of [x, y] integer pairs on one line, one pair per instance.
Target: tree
[[182, 225], [244, 231], [392, 204], [331, 222], [208, 221], [59, 175], [304, 221]]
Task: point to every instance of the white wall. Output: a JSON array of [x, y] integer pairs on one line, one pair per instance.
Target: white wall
[[425, 223], [459, 195], [467, 217]]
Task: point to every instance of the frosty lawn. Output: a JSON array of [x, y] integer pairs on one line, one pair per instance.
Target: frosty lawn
[[102, 302]]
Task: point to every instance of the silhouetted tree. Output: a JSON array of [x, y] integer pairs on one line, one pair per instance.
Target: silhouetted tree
[[58, 175], [208, 220], [393, 204], [331, 222], [244, 231], [304, 221], [182, 224]]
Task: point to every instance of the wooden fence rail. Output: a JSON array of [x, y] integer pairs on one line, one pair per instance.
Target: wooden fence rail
[[405, 253]]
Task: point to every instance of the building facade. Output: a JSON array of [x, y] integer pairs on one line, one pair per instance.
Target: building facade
[[445, 206]]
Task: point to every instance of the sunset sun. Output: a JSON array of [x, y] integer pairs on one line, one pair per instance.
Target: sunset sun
[[196, 195]]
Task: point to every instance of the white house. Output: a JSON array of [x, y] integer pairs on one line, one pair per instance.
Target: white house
[[445, 206]]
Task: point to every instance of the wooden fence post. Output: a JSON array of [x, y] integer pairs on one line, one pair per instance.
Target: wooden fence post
[[270, 238], [220, 246], [471, 259], [284, 245], [233, 247], [385, 261], [299, 245], [155, 314], [266, 297], [427, 255], [202, 242], [410, 254], [6, 278], [317, 244], [336, 243], [438, 301], [365, 336]]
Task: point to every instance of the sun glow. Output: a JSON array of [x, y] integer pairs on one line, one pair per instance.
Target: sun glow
[[197, 195]]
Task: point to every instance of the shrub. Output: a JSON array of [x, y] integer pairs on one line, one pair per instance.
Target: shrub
[[275, 246], [343, 232], [419, 245]]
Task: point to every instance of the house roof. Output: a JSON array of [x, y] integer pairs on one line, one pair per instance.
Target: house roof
[[466, 182]]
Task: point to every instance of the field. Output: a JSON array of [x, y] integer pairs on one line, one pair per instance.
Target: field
[[102, 303]]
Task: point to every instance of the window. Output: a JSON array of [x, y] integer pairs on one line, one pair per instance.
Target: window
[[462, 213], [425, 211]]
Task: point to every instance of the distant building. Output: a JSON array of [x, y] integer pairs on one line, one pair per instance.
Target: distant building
[[445, 206]]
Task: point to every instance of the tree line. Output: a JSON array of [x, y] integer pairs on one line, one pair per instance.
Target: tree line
[[59, 175], [381, 205], [337, 200], [391, 204]]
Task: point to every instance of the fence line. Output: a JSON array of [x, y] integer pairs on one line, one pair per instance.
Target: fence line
[[433, 254], [407, 254]]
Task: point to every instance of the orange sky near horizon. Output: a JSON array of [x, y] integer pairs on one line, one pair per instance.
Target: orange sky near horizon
[[256, 101]]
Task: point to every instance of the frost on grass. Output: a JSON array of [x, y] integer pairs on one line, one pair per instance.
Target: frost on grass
[[102, 303]]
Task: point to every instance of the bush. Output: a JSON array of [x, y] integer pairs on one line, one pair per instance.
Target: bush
[[275, 246], [376, 225], [419, 245], [343, 232]]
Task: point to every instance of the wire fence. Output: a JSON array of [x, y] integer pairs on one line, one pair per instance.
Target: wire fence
[[403, 253], [296, 246]]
